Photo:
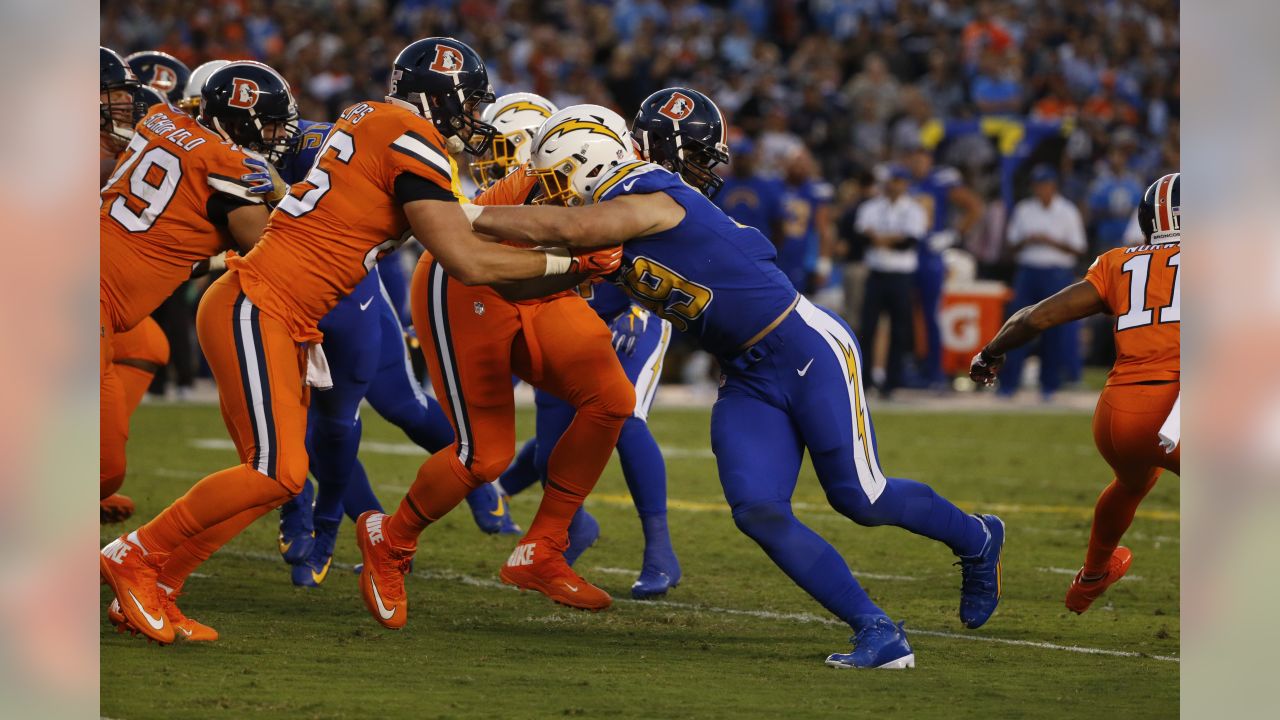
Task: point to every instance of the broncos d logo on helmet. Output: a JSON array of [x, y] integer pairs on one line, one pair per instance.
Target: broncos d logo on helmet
[[678, 107], [569, 125], [163, 78], [244, 93], [448, 60]]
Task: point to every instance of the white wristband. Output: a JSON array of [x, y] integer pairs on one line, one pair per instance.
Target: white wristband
[[472, 212], [823, 266], [558, 261]]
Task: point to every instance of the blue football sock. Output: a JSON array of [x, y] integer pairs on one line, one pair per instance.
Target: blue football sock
[[643, 467], [523, 471], [333, 446], [359, 496], [811, 562]]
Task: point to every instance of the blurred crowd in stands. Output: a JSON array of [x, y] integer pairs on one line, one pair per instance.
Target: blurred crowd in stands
[[970, 106]]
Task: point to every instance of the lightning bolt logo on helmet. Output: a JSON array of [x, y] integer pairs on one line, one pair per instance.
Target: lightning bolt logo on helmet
[[594, 126], [520, 105], [678, 107], [244, 93], [447, 61]]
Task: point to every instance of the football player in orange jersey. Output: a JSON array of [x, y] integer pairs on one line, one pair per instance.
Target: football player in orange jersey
[[184, 190], [474, 340], [1141, 287], [140, 352], [384, 172]]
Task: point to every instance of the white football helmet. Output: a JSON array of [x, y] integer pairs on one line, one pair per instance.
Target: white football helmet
[[516, 117], [195, 84], [573, 149]]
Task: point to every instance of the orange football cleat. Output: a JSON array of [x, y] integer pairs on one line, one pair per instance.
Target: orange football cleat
[[1082, 593], [184, 628], [131, 572], [540, 565], [115, 508], [382, 579]]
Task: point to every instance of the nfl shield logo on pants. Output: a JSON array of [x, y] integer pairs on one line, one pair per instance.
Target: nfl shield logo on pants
[[479, 308]]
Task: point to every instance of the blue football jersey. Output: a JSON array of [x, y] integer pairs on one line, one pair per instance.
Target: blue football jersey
[[607, 300], [801, 242], [709, 276], [754, 201], [295, 165]]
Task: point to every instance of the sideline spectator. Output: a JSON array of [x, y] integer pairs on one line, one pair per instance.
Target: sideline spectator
[[1047, 234]]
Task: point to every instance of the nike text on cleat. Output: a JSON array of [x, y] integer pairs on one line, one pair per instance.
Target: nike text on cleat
[[131, 573], [541, 566], [382, 577], [980, 585], [1081, 594], [879, 645]]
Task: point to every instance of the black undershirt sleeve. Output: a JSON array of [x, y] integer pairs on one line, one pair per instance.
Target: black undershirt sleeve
[[410, 187], [221, 204]]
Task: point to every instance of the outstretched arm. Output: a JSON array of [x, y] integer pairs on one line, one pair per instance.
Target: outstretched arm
[[608, 223], [1071, 303]]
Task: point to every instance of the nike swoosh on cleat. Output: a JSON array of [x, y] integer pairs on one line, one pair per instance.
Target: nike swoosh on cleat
[[382, 609], [319, 578], [574, 588], [502, 510], [185, 631], [155, 623]]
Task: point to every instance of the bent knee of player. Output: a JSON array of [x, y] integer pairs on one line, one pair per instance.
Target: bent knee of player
[[330, 428], [291, 472], [762, 521], [614, 401], [853, 504], [487, 469]]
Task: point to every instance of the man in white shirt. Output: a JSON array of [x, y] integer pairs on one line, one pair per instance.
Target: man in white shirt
[[894, 225], [1046, 235]]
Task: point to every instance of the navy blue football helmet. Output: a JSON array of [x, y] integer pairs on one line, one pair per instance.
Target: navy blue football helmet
[[161, 71], [446, 81], [241, 99], [115, 112], [1160, 212], [683, 131]]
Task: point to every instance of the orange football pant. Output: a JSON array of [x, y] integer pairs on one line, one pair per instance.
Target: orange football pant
[[261, 373], [113, 413], [474, 341], [1125, 427], [135, 356]]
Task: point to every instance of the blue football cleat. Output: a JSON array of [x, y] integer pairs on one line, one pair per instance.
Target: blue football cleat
[[879, 645], [661, 570], [312, 571], [980, 585], [491, 511], [296, 529], [583, 533]]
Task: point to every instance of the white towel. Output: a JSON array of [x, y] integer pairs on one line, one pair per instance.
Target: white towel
[[1171, 430], [318, 375]]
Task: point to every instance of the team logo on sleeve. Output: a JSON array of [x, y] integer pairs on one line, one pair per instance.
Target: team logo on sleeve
[[448, 60], [678, 107], [244, 93], [163, 78]]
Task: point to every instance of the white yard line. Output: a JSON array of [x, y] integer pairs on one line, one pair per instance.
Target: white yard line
[[1072, 573], [473, 581]]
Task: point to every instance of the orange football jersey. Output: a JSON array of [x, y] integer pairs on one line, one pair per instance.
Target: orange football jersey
[[159, 211], [326, 236], [515, 188], [1143, 290]]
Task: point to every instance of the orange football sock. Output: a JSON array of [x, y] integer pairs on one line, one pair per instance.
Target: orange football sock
[[573, 469], [218, 497], [191, 554], [1112, 516], [441, 484]]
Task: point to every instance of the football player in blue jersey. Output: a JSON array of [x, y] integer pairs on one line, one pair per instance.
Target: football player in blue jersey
[[365, 347], [792, 376], [640, 340], [940, 190], [749, 197], [808, 231]]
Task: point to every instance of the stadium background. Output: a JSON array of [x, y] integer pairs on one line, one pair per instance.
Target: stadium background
[[991, 88]]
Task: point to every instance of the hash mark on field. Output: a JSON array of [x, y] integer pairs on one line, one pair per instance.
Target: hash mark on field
[[473, 581]]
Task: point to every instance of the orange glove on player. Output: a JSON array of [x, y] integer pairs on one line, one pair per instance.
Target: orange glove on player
[[597, 262]]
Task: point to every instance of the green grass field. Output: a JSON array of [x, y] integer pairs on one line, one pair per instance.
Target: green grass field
[[736, 639]]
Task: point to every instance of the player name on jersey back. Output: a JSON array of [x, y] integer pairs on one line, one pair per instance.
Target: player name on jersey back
[[164, 127]]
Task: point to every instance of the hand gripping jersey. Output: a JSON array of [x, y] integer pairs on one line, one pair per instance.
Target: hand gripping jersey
[[708, 275], [324, 238], [1142, 289], [164, 209]]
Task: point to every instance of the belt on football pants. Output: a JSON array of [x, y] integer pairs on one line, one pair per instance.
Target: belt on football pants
[[762, 344]]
